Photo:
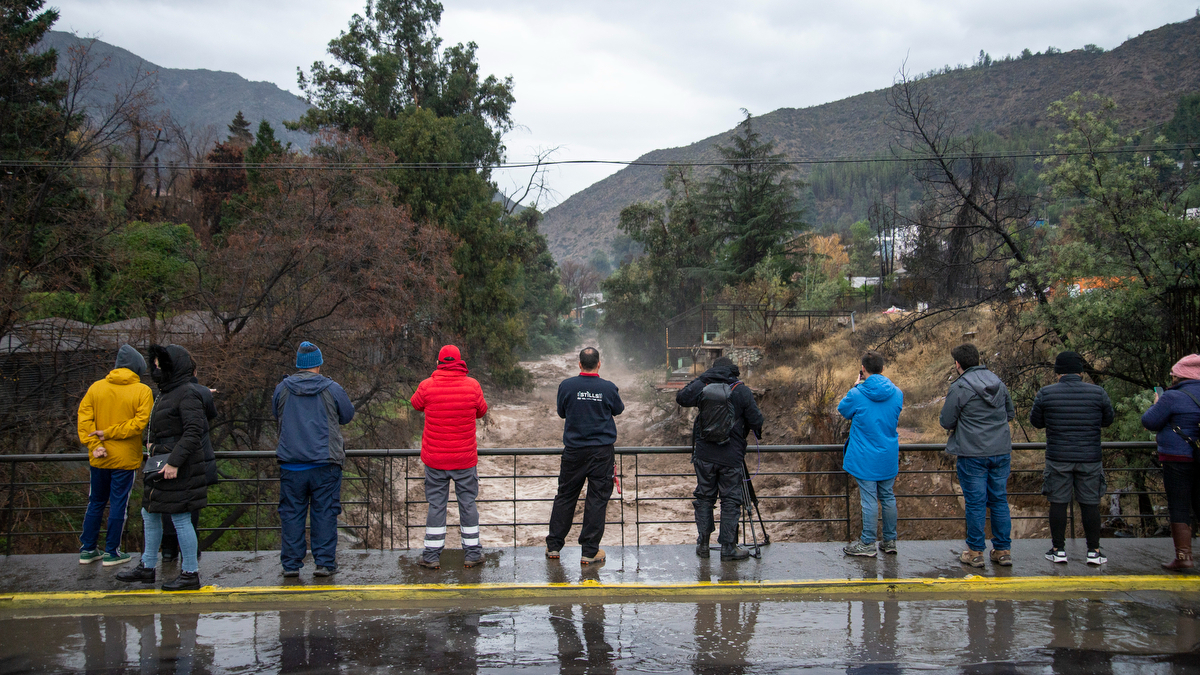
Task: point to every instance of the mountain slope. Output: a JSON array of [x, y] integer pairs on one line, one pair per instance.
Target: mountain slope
[[1145, 76], [196, 98]]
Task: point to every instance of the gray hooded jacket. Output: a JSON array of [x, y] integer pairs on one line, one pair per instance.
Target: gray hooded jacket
[[977, 412]]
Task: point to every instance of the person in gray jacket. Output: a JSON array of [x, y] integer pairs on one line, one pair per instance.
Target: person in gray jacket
[[1072, 412], [976, 413]]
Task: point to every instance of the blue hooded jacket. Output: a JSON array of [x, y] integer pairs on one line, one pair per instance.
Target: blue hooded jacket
[[309, 407], [1175, 408], [873, 408]]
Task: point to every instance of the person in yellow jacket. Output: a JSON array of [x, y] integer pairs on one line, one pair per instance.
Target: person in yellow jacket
[[112, 416]]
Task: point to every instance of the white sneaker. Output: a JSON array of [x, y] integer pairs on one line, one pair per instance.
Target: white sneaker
[[1056, 555], [1096, 558]]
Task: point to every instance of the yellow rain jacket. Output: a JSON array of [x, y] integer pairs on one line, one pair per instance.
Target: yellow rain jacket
[[120, 405]]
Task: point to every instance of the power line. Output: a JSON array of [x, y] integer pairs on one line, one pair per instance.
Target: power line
[[533, 164]]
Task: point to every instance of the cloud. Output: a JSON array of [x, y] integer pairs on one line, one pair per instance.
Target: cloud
[[616, 79]]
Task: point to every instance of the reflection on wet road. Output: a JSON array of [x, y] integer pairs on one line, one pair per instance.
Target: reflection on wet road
[[1128, 633]]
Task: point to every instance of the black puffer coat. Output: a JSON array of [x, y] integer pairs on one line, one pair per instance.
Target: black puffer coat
[[178, 426], [1072, 412]]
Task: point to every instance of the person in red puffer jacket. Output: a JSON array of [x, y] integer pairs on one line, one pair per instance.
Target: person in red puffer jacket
[[451, 401]]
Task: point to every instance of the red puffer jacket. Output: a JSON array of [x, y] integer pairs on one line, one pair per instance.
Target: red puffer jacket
[[451, 401]]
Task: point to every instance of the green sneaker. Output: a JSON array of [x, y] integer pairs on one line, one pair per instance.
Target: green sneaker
[[119, 559], [91, 556]]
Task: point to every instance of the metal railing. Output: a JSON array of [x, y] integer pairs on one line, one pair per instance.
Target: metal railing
[[803, 495]]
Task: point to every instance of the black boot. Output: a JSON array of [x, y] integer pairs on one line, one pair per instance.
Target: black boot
[[137, 574], [186, 581], [733, 552], [702, 546]]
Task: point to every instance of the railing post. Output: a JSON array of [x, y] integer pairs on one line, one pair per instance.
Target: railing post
[[637, 504], [12, 498]]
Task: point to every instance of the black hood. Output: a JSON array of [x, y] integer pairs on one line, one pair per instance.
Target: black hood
[[727, 373], [128, 357], [173, 366]]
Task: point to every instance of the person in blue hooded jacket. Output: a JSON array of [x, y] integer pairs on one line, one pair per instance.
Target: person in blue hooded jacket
[[309, 408], [872, 454]]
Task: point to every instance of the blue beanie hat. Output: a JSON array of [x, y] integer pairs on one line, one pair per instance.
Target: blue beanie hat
[[308, 356]]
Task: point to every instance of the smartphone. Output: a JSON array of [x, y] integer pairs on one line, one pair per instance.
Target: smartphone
[[1158, 390]]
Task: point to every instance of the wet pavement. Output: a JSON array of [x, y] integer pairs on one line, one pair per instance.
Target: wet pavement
[[629, 565], [1147, 632]]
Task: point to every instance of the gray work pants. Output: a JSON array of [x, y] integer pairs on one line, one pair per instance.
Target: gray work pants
[[437, 493]]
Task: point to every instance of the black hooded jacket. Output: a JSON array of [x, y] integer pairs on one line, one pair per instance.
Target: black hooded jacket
[[179, 427], [746, 416]]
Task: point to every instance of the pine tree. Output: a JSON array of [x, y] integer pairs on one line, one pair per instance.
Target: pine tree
[[752, 204], [239, 130]]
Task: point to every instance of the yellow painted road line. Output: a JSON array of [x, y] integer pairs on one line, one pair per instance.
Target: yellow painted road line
[[915, 589]]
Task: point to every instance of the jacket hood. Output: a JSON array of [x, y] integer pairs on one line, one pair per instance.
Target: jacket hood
[[307, 384], [877, 388], [175, 366], [1192, 386], [726, 374], [455, 366], [986, 384], [122, 376], [128, 357]]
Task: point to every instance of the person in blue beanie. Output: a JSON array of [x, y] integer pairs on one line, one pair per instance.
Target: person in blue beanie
[[309, 409], [872, 454]]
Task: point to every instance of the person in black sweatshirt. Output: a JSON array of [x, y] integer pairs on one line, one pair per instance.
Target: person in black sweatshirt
[[720, 465], [587, 403]]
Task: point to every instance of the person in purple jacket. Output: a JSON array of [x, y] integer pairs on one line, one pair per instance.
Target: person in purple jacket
[[872, 454], [309, 408], [1175, 415]]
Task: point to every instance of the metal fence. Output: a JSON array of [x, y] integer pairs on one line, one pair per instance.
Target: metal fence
[[803, 495]]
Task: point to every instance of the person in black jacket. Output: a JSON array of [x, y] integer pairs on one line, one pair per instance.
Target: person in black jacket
[[170, 540], [1072, 413], [720, 467], [588, 403], [179, 430]]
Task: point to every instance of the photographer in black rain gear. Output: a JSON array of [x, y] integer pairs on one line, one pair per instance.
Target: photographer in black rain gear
[[727, 413]]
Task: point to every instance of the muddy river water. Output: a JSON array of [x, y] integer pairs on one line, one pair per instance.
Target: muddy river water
[[1132, 633]]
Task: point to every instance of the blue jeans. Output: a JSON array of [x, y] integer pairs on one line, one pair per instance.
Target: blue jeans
[[875, 495], [984, 482], [112, 487], [317, 494], [188, 545]]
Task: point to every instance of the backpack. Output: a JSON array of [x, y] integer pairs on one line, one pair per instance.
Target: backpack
[[716, 412]]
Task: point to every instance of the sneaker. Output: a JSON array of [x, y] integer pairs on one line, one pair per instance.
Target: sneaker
[[186, 581], [91, 556], [473, 558], [1096, 558], [858, 548], [1056, 555], [120, 558], [325, 571], [888, 547], [290, 574], [598, 558], [553, 555], [1002, 558], [972, 558], [139, 574]]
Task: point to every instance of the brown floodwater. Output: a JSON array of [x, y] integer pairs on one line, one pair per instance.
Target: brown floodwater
[[1131, 633]]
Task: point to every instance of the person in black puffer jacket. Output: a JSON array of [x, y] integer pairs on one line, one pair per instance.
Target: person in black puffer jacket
[[178, 429], [1072, 412], [720, 466]]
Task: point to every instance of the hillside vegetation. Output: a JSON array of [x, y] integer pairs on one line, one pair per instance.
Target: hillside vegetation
[[195, 98], [1145, 76]]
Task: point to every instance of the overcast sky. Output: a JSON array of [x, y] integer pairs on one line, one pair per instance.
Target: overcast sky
[[615, 79]]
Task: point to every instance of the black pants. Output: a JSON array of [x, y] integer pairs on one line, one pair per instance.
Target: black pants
[[712, 481], [595, 466], [1181, 480]]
